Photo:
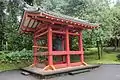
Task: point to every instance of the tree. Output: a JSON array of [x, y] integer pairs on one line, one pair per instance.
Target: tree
[[2, 24], [30, 2], [14, 40]]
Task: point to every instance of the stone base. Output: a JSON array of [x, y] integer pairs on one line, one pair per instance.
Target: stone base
[[41, 72]]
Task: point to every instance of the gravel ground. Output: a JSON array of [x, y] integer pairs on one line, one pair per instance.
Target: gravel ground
[[104, 72]]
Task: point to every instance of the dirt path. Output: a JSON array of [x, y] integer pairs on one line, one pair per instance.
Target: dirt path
[[104, 72]]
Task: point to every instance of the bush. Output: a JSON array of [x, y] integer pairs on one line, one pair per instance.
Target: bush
[[118, 57], [17, 56]]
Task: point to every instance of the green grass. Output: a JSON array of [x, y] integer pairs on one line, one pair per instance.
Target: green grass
[[109, 57], [10, 66]]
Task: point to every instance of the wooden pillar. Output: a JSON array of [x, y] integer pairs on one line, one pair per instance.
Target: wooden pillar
[[50, 57], [81, 47], [67, 47], [35, 60]]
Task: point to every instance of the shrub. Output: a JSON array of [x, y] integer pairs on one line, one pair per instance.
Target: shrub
[[17, 56], [118, 56]]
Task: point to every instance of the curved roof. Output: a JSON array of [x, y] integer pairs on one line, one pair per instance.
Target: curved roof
[[33, 17]]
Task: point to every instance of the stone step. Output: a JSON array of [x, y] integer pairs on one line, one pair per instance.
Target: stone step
[[79, 71]]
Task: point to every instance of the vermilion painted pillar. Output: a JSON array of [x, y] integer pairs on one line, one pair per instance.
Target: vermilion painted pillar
[[50, 57], [35, 61], [67, 47], [81, 47]]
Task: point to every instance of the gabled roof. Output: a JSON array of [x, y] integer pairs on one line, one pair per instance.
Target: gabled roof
[[32, 19]]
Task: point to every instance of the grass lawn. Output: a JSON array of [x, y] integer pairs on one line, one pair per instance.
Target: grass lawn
[[10, 66], [108, 57]]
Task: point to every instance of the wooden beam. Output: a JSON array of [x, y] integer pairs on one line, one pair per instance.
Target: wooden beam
[[59, 52], [41, 34], [41, 47], [75, 52], [41, 53], [39, 30], [58, 32], [75, 34]]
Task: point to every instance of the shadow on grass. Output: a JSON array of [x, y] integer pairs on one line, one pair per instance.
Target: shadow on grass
[[111, 49], [109, 56], [90, 51]]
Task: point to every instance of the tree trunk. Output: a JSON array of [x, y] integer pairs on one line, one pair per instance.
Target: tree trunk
[[115, 44], [98, 50], [101, 47]]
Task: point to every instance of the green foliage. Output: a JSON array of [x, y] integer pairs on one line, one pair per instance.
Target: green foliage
[[16, 57], [13, 40], [30, 2], [118, 57]]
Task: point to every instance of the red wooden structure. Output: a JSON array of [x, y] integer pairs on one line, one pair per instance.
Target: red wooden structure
[[48, 26]]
